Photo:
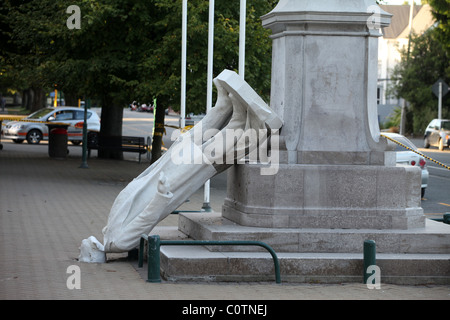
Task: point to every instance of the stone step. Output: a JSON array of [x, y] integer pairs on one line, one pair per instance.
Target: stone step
[[197, 263], [433, 239], [403, 256]]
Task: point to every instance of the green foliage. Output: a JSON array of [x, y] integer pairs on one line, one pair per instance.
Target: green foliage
[[393, 121], [161, 69], [441, 11], [129, 49], [427, 62]]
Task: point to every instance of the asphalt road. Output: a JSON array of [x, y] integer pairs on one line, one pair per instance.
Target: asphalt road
[[436, 201], [141, 124]]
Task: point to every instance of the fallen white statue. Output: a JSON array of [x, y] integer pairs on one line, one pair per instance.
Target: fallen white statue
[[193, 159]]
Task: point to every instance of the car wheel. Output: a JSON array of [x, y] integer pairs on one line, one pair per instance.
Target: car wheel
[[34, 137], [426, 144], [441, 145], [17, 140]]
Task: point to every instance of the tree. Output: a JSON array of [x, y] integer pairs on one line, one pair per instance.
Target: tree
[[114, 38], [414, 77], [428, 61], [25, 47], [129, 50], [97, 61], [441, 12], [161, 69]]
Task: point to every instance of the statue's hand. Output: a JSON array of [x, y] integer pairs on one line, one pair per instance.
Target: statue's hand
[[163, 184]]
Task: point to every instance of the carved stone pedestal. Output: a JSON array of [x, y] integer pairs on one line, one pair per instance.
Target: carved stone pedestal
[[325, 196]]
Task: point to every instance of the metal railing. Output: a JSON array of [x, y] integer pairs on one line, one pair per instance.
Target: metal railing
[[154, 244]]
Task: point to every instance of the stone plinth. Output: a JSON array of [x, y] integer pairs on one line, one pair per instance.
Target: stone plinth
[[335, 171], [319, 196], [324, 79]]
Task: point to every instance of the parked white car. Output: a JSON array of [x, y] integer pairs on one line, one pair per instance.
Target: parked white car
[[407, 157], [34, 128], [437, 134]]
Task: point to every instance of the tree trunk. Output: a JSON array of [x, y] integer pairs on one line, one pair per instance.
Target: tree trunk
[[71, 99], [27, 100], [38, 101], [16, 99], [111, 130], [158, 133]]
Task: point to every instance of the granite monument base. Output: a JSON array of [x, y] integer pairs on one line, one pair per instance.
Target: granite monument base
[[318, 231], [325, 196], [306, 255]]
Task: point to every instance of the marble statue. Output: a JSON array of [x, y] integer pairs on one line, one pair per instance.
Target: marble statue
[[195, 157]]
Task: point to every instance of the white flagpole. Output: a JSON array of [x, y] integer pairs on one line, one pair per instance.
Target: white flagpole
[[206, 199], [242, 26], [210, 55], [183, 64]]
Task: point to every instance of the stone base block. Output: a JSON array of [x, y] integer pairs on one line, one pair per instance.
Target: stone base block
[[325, 196]]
